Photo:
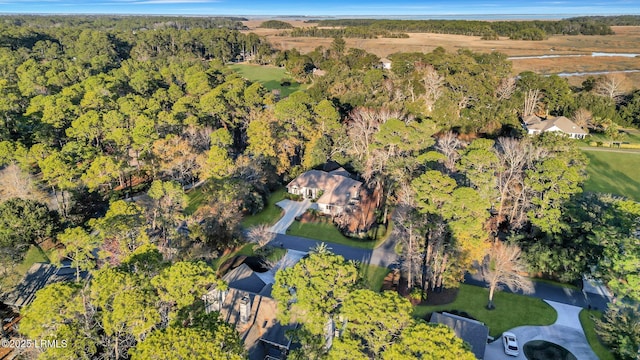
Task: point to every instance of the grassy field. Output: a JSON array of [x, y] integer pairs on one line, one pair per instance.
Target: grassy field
[[269, 76], [33, 255], [511, 310], [373, 275], [329, 233], [271, 213], [589, 330], [614, 172]]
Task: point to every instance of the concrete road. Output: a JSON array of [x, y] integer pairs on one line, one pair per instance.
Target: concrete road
[[555, 293], [383, 255]]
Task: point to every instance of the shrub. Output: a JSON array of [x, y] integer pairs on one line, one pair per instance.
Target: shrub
[[293, 197]]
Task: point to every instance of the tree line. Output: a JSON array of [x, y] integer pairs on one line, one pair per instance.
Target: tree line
[[517, 30]]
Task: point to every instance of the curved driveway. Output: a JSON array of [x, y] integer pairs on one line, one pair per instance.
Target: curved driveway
[[566, 332]]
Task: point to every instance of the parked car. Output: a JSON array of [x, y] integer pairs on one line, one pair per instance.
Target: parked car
[[510, 343]]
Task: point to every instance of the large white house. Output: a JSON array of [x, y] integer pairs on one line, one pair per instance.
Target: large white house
[[333, 191], [535, 125]]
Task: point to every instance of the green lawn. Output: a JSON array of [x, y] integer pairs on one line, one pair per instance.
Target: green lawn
[[613, 172], [269, 76], [511, 310], [632, 136], [34, 255], [589, 330], [247, 249], [556, 283], [275, 254], [271, 213], [195, 198], [373, 275], [329, 233]]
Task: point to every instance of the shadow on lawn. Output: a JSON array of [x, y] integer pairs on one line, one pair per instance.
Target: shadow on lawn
[[604, 178]]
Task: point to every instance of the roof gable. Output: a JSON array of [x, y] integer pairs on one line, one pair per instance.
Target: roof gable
[[559, 123], [473, 332], [337, 186]]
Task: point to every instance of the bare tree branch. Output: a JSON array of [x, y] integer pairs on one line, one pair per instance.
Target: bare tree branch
[[504, 266]]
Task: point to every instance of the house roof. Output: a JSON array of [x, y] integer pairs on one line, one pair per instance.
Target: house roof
[[337, 188], [565, 125], [243, 278], [37, 277], [261, 327], [531, 119], [473, 332]]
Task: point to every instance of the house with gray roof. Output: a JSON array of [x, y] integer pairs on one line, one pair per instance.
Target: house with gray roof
[[535, 125], [333, 191], [247, 304], [471, 331], [37, 277], [254, 316]]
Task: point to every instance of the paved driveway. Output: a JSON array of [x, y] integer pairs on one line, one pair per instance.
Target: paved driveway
[[291, 210], [566, 332]]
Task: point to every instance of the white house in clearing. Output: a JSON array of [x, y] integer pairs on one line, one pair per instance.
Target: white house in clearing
[[535, 125], [333, 191]]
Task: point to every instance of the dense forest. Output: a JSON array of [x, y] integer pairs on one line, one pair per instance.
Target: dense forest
[[148, 107], [276, 24]]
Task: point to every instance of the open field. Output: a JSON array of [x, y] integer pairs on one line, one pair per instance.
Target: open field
[[269, 76], [614, 172], [626, 40], [511, 310]]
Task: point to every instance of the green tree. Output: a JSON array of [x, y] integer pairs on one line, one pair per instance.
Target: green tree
[[102, 172], [24, 223], [429, 342], [176, 343], [53, 307], [553, 181], [126, 308], [338, 46], [311, 293], [79, 247], [387, 314], [181, 284], [170, 200], [620, 329], [122, 230], [218, 164]]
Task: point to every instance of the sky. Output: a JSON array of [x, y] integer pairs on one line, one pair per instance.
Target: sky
[[379, 8]]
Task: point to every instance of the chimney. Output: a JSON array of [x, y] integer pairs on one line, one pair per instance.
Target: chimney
[[245, 309]]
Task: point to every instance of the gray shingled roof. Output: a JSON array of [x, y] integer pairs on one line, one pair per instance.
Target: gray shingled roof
[[473, 332], [243, 278], [37, 277]]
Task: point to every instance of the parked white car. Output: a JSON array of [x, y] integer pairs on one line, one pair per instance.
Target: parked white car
[[510, 343]]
